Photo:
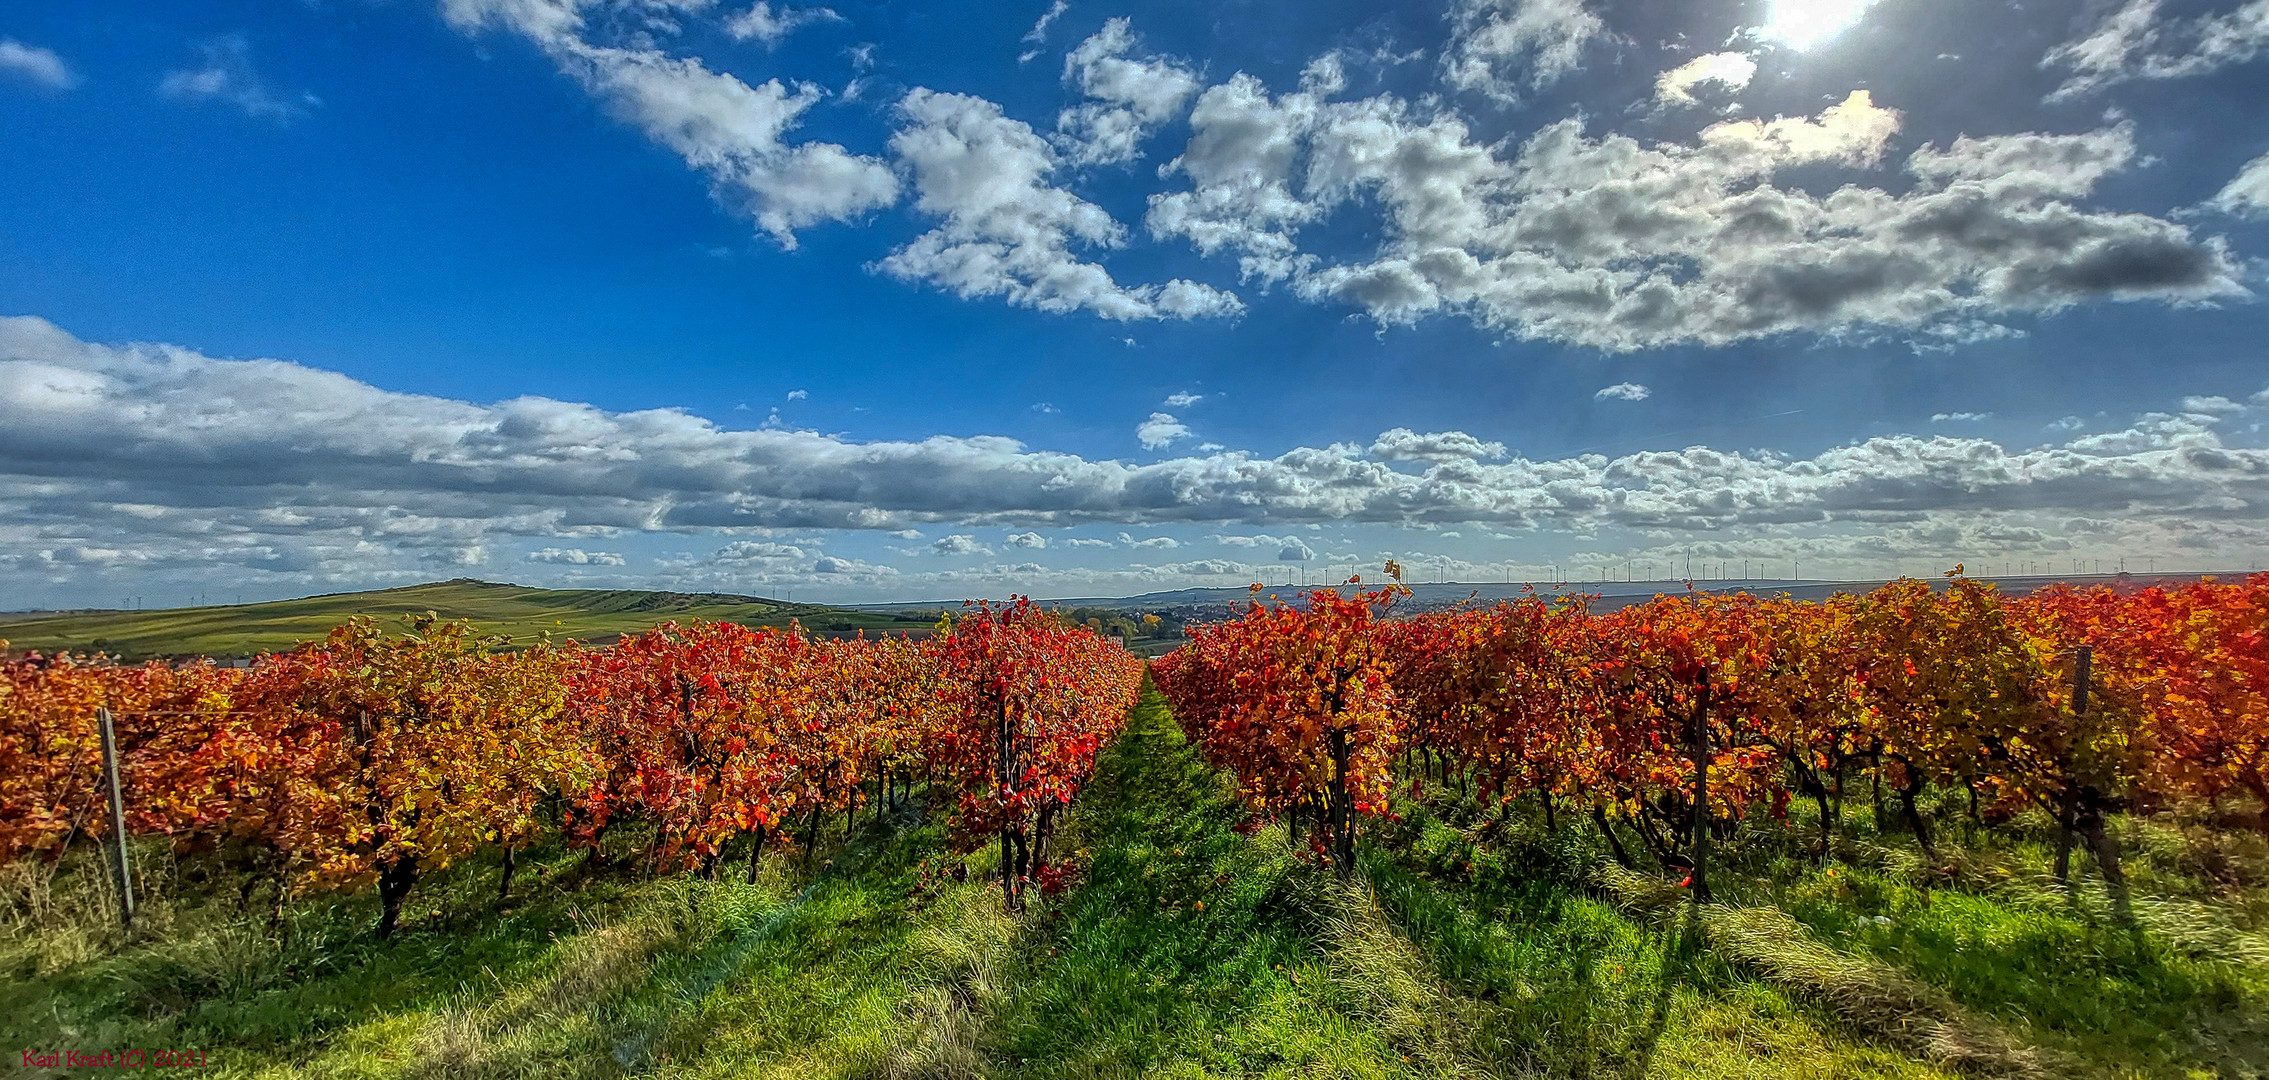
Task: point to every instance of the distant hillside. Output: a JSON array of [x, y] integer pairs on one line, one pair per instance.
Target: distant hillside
[[247, 629]]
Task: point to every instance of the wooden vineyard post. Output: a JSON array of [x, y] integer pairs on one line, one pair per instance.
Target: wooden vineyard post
[[1700, 736], [117, 819]]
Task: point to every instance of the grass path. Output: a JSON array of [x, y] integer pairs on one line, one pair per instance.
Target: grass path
[[1194, 950]]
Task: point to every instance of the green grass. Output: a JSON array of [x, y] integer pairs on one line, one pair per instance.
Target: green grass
[[1188, 945], [519, 611]]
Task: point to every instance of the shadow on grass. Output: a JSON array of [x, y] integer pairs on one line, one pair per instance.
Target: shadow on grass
[[578, 974], [211, 976], [2123, 998]]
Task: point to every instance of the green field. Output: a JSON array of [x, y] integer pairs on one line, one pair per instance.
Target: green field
[[1188, 946], [249, 629]]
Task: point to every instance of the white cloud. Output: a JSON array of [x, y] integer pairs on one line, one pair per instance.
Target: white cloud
[[1161, 430], [1619, 245], [1038, 35], [1126, 540], [758, 552], [1730, 70], [1086, 542], [35, 65], [1240, 160], [1502, 47], [732, 132], [1044, 407], [798, 395], [2133, 42], [576, 557], [1288, 548], [836, 567], [1623, 391], [1959, 417], [155, 461], [1403, 444], [1259, 541], [1182, 399], [1006, 231], [769, 28], [2247, 194], [1031, 540], [226, 75], [960, 544], [1127, 99]]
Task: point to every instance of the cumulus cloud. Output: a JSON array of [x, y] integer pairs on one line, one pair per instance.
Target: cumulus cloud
[[1126, 540], [1730, 70], [1262, 540], [37, 66], [1288, 548], [2247, 194], [769, 28], [1612, 243], [960, 544], [839, 567], [1403, 444], [1959, 417], [1005, 230], [757, 552], [1244, 199], [1502, 48], [1622, 391], [1031, 540], [225, 74], [576, 557], [2135, 42], [1127, 97], [798, 395], [152, 458], [1182, 399], [756, 564], [733, 133], [1161, 430]]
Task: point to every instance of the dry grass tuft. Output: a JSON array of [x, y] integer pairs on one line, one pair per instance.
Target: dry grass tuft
[[1636, 893], [1394, 987], [496, 1036], [961, 955], [1921, 1020]]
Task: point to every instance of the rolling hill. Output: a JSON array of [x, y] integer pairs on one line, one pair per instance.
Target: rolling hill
[[585, 614]]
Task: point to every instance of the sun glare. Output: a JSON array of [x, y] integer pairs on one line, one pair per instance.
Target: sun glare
[[1806, 24]]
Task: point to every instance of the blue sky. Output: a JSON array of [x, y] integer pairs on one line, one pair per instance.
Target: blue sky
[[877, 300]]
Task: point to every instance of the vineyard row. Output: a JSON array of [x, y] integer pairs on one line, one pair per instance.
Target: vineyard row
[[370, 759], [1673, 719]]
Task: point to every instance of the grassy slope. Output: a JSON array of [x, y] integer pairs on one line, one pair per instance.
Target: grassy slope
[[244, 630], [1187, 948]]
